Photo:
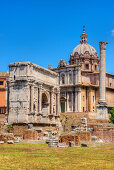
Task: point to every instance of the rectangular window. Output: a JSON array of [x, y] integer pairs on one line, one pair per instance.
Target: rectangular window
[[87, 66], [1, 82], [93, 99]]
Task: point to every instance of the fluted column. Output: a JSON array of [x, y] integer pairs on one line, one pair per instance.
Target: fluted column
[[102, 81], [40, 98]]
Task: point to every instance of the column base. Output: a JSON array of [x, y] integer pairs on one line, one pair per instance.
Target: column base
[[102, 111]]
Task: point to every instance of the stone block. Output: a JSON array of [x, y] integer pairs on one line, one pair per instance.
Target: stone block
[[71, 144], [84, 144], [62, 145], [1, 142], [10, 142]]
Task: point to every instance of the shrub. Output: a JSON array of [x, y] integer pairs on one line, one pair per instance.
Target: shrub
[[112, 115]]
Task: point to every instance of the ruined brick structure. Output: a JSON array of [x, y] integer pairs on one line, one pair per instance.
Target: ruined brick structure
[[3, 96]]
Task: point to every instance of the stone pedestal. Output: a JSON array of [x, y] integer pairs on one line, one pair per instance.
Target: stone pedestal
[[102, 111]]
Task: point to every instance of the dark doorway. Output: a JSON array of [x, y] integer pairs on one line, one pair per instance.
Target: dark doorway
[[63, 107]]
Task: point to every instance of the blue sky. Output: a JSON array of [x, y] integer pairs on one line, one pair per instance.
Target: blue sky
[[45, 31]]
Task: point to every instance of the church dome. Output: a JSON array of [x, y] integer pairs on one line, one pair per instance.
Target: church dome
[[82, 48], [85, 54]]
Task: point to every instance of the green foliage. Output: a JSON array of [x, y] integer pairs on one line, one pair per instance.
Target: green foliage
[[9, 127], [112, 115]]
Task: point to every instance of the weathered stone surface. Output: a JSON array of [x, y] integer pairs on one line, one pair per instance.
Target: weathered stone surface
[[62, 145], [10, 142], [84, 144], [94, 138], [1, 142], [71, 137], [31, 135], [71, 144], [33, 97]]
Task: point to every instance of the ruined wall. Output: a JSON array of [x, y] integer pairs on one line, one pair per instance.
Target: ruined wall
[[18, 102], [69, 119], [19, 130], [2, 119], [110, 97], [106, 134]]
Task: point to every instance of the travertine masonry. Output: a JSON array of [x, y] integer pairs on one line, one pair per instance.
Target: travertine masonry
[[33, 96]]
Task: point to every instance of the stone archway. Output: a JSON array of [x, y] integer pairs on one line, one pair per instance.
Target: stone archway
[[45, 104]]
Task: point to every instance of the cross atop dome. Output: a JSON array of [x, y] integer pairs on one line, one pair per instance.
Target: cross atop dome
[[83, 29], [84, 36]]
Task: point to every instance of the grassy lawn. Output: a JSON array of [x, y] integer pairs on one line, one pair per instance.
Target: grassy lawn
[[40, 156]]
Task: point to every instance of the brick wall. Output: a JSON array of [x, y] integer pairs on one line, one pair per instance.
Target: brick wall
[[106, 134], [2, 119], [30, 134], [84, 136], [19, 130], [67, 138]]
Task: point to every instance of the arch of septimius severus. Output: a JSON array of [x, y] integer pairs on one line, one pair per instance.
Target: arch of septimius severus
[[37, 95], [33, 94]]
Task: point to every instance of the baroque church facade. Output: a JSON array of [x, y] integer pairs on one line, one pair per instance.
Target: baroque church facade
[[79, 80]]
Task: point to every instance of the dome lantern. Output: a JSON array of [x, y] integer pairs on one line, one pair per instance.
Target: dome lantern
[[84, 37]]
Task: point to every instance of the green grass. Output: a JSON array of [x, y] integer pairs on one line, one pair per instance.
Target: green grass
[[25, 156]]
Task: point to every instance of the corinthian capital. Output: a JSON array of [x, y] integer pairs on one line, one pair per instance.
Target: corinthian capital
[[103, 45]]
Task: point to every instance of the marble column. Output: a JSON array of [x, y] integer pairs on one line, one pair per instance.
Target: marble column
[[40, 98], [79, 100], [32, 98], [58, 102], [76, 100], [102, 112], [102, 81], [72, 102], [36, 89], [79, 75], [67, 97], [75, 76], [51, 103]]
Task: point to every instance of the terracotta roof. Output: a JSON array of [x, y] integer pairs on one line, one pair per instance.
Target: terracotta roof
[[4, 74]]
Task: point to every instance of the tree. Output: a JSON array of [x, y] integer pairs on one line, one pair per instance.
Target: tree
[[112, 115]]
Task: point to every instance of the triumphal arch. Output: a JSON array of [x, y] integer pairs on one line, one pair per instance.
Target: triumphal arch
[[33, 95]]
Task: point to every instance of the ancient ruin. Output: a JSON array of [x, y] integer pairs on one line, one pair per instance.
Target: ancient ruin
[[33, 96]]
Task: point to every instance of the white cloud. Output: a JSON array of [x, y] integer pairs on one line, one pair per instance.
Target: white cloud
[[112, 32]]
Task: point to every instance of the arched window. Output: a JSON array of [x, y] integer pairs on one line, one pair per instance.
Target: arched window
[[70, 78], [93, 99], [93, 109], [63, 79], [87, 66]]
